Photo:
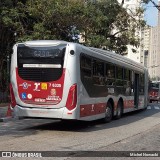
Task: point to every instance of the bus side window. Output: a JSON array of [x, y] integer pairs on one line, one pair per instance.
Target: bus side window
[[110, 74], [127, 82], [85, 62], [98, 72], [141, 88], [132, 83], [119, 76]]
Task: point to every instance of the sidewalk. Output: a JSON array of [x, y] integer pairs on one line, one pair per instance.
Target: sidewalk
[[3, 111]]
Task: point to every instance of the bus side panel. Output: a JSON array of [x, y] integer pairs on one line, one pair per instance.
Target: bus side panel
[[13, 72], [90, 108], [71, 74]]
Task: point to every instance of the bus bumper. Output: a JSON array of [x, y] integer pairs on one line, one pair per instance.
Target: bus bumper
[[24, 112], [154, 99]]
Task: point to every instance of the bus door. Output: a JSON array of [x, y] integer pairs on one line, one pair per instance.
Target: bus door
[[136, 90]]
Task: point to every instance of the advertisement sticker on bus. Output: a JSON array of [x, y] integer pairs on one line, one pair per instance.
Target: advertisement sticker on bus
[[25, 85], [36, 87], [24, 95], [29, 96], [44, 86], [53, 92]]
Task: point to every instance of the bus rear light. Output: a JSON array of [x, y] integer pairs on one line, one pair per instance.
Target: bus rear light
[[13, 100], [72, 97]]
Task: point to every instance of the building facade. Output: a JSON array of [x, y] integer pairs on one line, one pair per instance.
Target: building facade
[[134, 53], [146, 45], [154, 51]]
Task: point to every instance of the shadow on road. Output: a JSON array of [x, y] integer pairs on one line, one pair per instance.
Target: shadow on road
[[84, 126], [28, 127]]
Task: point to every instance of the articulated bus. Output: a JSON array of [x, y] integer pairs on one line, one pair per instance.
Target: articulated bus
[[64, 80]]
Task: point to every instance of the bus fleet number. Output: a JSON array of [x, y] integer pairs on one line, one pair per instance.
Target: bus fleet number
[[56, 85]]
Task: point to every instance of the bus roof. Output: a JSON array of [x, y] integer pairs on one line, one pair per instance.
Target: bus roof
[[118, 57]]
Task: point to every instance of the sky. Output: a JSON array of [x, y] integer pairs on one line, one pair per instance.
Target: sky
[[151, 14]]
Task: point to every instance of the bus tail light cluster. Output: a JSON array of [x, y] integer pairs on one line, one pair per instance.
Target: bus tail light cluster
[[152, 94], [72, 97], [13, 100]]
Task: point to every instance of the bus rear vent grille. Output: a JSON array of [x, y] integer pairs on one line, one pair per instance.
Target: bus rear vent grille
[[40, 74]]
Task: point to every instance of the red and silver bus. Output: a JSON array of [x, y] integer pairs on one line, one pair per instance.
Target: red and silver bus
[[154, 94], [63, 80]]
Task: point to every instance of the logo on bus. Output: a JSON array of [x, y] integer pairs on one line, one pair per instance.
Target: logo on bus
[[25, 85], [44, 86], [53, 92], [29, 96], [36, 87]]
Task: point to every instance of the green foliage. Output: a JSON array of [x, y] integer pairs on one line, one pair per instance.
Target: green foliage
[[105, 23], [52, 19]]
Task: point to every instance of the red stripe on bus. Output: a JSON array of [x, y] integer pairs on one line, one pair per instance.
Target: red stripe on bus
[[128, 103], [92, 109]]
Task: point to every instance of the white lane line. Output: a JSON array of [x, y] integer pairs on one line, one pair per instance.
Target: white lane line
[[149, 107], [156, 107]]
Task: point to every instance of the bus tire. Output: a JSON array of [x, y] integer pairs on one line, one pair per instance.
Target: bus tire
[[119, 110], [108, 114]]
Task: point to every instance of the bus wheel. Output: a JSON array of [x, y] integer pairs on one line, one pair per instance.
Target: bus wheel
[[108, 113], [119, 110]]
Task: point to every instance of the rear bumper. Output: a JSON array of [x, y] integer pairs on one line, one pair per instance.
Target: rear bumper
[[154, 98], [38, 112]]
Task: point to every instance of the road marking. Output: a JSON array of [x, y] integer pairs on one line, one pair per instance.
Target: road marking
[[149, 107], [156, 107]]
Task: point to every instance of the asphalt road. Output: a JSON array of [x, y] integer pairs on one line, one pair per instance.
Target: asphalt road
[[136, 131]]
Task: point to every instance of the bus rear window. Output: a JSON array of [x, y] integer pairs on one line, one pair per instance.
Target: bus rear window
[[153, 87], [41, 64]]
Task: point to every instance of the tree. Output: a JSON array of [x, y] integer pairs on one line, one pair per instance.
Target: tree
[[105, 23], [6, 39], [9, 20]]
